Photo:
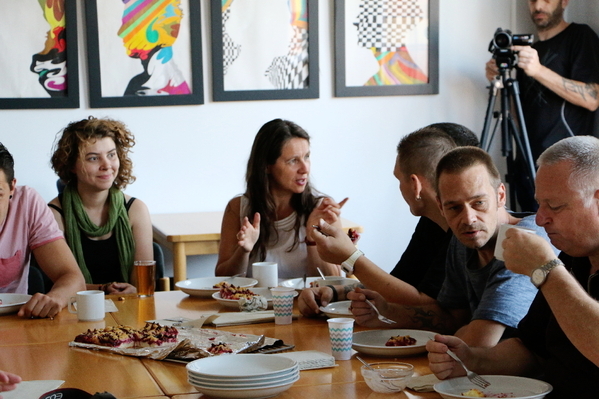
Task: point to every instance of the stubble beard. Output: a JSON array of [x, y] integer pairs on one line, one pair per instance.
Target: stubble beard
[[553, 19]]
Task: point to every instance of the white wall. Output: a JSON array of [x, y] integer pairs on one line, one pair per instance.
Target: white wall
[[192, 158]]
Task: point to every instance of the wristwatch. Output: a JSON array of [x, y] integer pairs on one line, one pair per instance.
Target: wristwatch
[[539, 275], [348, 264]]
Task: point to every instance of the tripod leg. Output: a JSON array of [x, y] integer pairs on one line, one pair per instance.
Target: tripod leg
[[523, 165], [525, 143], [485, 140]]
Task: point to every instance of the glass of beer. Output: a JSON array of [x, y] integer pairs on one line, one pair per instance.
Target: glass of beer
[[144, 272]]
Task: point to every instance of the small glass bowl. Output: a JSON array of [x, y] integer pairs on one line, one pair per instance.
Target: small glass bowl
[[388, 377]]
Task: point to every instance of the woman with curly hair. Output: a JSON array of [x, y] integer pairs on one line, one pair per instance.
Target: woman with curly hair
[[268, 222], [106, 229]]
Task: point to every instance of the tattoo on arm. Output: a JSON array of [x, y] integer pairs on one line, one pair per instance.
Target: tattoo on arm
[[574, 87], [349, 288], [429, 319], [591, 89], [582, 89]]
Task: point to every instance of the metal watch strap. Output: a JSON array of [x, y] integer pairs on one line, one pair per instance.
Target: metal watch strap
[[545, 269], [348, 264]]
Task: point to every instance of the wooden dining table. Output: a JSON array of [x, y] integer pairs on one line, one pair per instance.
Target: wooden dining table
[[38, 349], [196, 233]]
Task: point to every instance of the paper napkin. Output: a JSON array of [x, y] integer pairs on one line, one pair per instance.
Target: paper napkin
[[32, 389], [423, 383], [308, 360]]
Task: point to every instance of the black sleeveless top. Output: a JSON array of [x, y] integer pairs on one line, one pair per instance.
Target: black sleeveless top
[[101, 256]]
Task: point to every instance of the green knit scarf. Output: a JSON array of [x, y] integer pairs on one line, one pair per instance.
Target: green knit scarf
[[76, 219]]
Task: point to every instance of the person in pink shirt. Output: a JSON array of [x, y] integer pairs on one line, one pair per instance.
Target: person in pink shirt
[[28, 227]]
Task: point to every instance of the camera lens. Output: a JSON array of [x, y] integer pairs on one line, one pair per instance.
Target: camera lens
[[502, 40]]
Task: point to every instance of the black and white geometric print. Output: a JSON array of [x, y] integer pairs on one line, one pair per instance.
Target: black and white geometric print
[[383, 24], [230, 50], [291, 71]]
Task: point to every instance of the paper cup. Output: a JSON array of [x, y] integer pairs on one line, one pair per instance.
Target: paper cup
[[501, 236], [88, 305], [267, 274], [341, 330], [145, 277], [282, 304]]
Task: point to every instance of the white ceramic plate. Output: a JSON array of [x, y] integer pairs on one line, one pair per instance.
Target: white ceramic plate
[[266, 379], [11, 303], [287, 379], [202, 287], [236, 366], [517, 387], [373, 342], [298, 283], [335, 280], [338, 309], [233, 303], [244, 393]]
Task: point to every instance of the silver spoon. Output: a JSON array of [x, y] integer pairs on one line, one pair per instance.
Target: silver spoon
[[321, 273], [371, 369], [366, 364]]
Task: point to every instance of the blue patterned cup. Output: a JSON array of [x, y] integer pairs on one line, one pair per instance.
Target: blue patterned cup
[[341, 330], [282, 304]]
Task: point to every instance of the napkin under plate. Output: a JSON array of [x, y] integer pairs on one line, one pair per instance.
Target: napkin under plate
[[423, 383]]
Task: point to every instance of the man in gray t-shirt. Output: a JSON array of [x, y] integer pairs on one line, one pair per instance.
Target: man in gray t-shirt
[[491, 292], [480, 300]]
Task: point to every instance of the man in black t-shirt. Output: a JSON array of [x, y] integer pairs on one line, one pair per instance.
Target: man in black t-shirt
[[558, 339], [559, 83]]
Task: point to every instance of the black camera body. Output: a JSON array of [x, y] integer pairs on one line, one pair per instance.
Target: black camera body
[[501, 46]]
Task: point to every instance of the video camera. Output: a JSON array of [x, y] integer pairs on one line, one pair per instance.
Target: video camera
[[501, 46]]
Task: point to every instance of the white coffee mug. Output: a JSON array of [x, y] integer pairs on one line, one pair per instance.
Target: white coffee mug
[[90, 305], [267, 274], [501, 236]]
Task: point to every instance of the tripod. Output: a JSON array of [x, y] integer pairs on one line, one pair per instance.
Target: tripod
[[510, 135]]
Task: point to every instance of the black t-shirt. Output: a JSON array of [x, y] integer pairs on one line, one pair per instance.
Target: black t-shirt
[[569, 371], [422, 265], [573, 54]]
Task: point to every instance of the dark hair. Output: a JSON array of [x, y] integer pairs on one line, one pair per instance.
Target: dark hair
[[69, 147], [7, 164], [459, 133], [420, 151], [266, 149], [461, 158]]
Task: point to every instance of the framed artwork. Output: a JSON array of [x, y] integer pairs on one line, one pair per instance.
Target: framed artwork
[[144, 53], [39, 54], [264, 50], [386, 47]]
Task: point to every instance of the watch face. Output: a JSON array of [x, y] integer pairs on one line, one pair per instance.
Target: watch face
[[538, 277]]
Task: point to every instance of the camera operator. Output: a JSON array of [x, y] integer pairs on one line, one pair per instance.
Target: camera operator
[[559, 81]]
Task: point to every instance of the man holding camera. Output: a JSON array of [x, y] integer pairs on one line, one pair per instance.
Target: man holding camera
[[558, 77]]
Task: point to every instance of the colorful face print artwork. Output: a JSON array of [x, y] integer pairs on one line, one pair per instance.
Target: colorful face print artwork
[[387, 42], [265, 44], [149, 31], [144, 47], [33, 39]]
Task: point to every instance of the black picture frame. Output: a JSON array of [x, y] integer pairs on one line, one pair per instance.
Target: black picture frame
[[95, 73], [71, 100], [343, 90], [218, 79]]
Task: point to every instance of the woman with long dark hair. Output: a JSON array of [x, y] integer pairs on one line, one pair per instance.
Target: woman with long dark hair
[[268, 222]]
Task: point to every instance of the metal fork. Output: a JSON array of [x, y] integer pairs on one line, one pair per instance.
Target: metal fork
[[472, 376], [380, 316]]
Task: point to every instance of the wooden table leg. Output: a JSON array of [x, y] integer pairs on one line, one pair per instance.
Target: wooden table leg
[[179, 262]]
